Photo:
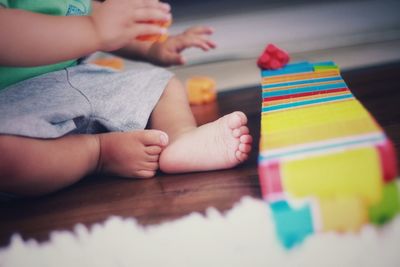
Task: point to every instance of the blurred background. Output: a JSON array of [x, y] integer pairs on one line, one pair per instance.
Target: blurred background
[[354, 34]]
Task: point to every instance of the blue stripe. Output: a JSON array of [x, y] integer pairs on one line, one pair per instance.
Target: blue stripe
[[337, 78], [306, 102], [303, 66], [305, 89], [323, 147]]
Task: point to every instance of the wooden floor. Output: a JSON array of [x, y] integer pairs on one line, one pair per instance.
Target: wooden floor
[[171, 196]]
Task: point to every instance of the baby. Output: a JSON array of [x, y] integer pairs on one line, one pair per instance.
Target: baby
[[61, 120]]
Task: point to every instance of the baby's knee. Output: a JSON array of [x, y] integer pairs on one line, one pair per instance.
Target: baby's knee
[[174, 84], [174, 91]]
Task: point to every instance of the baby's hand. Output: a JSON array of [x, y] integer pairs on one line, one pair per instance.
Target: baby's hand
[[169, 52], [118, 22]]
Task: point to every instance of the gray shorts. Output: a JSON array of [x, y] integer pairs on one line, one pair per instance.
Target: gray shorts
[[82, 99]]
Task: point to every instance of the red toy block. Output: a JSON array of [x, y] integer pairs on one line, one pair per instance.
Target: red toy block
[[273, 58], [387, 156]]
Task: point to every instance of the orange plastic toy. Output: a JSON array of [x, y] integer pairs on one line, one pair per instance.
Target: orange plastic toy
[[156, 37], [111, 62], [201, 90]]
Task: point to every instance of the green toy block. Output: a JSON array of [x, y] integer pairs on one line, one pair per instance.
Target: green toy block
[[388, 207], [317, 68]]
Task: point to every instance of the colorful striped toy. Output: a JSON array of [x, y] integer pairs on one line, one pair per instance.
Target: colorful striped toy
[[324, 162]]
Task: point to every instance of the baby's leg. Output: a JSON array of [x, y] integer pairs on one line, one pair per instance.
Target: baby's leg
[[221, 144], [31, 166]]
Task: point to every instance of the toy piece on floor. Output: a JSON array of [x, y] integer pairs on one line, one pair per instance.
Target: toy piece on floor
[[273, 58], [324, 162], [156, 37], [111, 62], [201, 90]]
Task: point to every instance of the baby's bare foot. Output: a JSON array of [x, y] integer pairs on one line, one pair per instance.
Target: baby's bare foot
[[221, 144], [131, 154]]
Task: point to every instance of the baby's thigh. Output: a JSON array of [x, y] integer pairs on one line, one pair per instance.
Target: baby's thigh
[[121, 100], [46, 106]]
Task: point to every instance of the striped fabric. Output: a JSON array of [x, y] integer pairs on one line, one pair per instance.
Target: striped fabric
[[324, 162]]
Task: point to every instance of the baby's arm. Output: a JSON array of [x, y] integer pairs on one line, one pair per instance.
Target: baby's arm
[[31, 39], [169, 52]]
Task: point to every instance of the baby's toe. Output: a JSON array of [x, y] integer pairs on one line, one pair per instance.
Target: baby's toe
[[240, 156], [151, 166], [246, 139], [245, 148], [154, 138], [146, 173], [153, 158], [242, 116], [240, 131], [153, 150], [236, 119]]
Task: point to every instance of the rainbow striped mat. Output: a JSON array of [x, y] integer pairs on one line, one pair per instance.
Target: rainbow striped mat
[[324, 162]]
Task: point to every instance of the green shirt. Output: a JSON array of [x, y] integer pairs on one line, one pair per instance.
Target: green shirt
[[11, 75]]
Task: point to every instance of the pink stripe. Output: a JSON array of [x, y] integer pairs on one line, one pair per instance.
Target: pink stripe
[[270, 178]]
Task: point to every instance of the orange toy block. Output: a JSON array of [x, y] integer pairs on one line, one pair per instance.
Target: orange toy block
[[156, 37], [111, 62], [201, 90]]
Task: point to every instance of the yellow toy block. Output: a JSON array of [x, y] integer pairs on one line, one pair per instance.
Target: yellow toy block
[[342, 213], [316, 123], [338, 113], [355, 172]]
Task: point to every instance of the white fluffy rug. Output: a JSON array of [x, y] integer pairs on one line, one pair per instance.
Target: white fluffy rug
[[244, 236]]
